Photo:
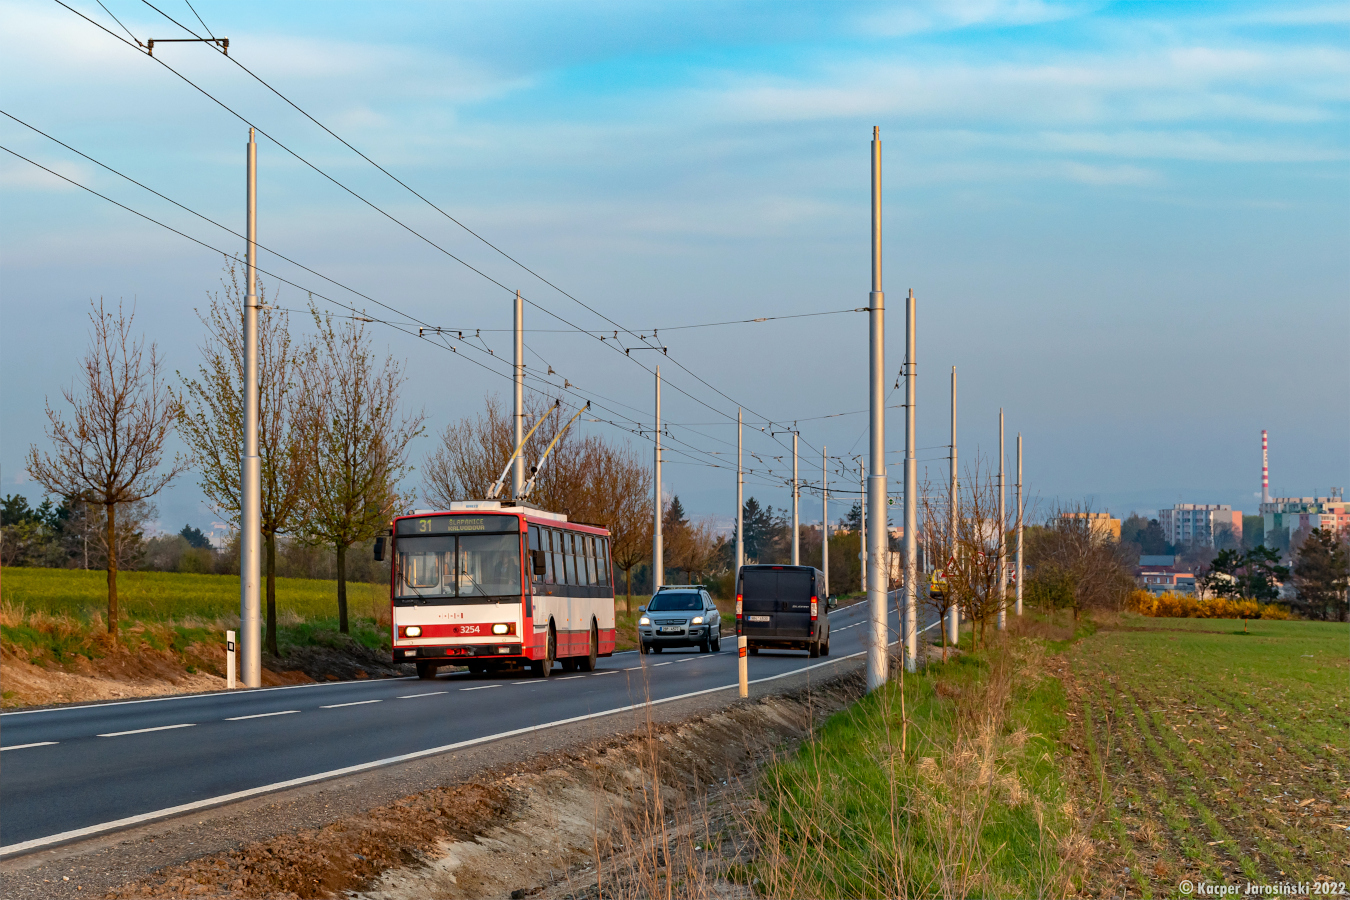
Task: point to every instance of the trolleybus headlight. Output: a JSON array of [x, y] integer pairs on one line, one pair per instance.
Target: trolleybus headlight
[[696, 620], [500, 628], [644, 621], [412, 631]]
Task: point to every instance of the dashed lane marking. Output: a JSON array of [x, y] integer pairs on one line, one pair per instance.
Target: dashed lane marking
[[26, 746], [569, 677], [415, 696], [284, 712], [353, 703], [144, 730], [481, 687]]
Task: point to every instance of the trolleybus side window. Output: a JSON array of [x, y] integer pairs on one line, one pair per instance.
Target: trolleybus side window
[[559, 570], [586, 558], [603, 559], [529, 563], [570, 557]]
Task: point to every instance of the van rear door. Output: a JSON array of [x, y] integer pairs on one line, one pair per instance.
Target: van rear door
[[782, 596]]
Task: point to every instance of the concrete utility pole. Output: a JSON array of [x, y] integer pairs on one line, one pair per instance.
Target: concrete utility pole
[[876, 481], [862, 523], [911, 491], [1018, 586], [250, 481], [658, 557], [518, 465], [825, 518], [740, 502], [742, 672], [796, 523], [1002, 536], [953, 510]]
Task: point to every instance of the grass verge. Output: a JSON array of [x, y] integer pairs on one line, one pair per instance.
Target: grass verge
[[943, 784]]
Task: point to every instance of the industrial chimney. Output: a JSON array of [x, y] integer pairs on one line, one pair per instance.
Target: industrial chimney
[[1265, 468]]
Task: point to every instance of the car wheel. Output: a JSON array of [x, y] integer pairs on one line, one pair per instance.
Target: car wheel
[[825, 650], [656, 648], [426, 670], [643, 648], [813, 649], [717, 640]]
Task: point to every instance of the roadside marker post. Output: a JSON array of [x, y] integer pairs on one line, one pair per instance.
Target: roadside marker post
[[229, 660], [740, 665]]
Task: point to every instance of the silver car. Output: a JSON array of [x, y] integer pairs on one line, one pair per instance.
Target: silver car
[[680, 617]]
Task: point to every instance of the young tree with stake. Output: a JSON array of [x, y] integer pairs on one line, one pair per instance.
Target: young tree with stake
[[361, 441], [112, 452], [212, 423]]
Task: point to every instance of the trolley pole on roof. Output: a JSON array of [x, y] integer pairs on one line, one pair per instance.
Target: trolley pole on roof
[[1002, 581], [796, 523], [250, 481], [658, 560], [518, 376], [953, 510], [876, 480], [1018, 585], [911, 622]]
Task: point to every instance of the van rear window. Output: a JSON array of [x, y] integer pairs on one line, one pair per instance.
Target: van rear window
[[770, 584]]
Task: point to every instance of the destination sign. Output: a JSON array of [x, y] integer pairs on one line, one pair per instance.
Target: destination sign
[[456, 524]]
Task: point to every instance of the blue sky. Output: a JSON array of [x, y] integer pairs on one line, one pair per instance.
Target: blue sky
[[1126, 223]]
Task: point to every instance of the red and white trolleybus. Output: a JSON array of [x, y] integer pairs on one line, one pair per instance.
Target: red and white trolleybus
[[489, 584]]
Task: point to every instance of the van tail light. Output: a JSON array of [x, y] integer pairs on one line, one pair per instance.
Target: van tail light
[[738, 605], [813, 608]]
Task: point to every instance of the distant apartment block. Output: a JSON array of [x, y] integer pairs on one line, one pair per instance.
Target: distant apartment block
[[1188, 524], [1100, 525], [1285, 516], [1159, 575]]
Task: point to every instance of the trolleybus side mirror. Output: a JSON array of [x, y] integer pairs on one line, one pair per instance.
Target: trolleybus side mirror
[[539, 562], [379, 548]]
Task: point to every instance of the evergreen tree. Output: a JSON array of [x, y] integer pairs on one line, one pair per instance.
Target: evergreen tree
[[1322, 574], [194, 537], [674, 517]]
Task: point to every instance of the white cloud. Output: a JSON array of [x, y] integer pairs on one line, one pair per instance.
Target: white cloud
[[949, 15], [1110, 175]]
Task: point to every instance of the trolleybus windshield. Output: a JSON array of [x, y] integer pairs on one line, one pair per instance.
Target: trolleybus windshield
[[458, 567]]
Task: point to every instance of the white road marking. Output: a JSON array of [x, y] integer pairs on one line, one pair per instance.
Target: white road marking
[[26, 746], [658, 665], [524, 682], [129, 821], [632, 668], [569, 677], [608, 672], [689, 659], [481, 687], [353, 703], [415, 696], [284, 712], [144, 730]]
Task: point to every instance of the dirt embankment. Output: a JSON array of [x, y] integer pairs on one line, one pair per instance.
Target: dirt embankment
[[617, 812], [121, 673]]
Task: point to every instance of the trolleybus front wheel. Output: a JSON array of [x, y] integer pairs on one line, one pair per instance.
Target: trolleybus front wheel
[[426, 670]]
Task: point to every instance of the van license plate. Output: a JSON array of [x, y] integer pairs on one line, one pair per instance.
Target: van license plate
[[759, 618]]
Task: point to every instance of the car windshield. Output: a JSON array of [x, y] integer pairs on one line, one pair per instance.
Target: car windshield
[[458, 566], [675, 601]]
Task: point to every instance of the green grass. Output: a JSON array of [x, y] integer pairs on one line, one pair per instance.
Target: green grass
[[891, 802], [173, 596], [1211, 753]]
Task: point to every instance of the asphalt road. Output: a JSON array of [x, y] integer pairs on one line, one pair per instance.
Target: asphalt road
[[74, 771]]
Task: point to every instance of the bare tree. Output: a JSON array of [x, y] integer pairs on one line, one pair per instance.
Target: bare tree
[[361, 439], [212, 422], [973, 579], [1074, 565], [112, 452]]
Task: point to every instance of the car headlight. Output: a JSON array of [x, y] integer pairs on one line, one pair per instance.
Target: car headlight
[[412, 631], [499, 628], [644, 621], [696, 620]]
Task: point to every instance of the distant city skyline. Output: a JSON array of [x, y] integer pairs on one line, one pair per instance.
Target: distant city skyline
[[1125, 223]]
